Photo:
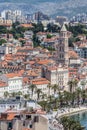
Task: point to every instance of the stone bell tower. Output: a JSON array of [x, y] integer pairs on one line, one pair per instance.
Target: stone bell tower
[[62, 47]]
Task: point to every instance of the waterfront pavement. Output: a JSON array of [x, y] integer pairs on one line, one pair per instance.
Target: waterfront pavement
[[70, 111], [54, 124]]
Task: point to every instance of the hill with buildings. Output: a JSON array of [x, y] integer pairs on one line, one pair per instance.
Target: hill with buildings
[[58, 7]]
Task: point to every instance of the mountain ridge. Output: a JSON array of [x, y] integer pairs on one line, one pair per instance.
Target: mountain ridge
[[50, 7]]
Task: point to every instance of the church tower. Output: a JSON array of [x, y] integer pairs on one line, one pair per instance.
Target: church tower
[[62, 47]]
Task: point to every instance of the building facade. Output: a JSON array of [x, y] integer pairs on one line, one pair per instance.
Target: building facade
[[57, 75]]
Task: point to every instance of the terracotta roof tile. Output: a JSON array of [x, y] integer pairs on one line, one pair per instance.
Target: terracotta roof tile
[[26, 25], [45, 61], [72, 54], [3, 84], [12, 75], [11, 116], [40, 81]]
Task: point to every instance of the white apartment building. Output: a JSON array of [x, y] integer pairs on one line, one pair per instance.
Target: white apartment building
[[15, 15], [13, 81], [6, 13], [7, 49]]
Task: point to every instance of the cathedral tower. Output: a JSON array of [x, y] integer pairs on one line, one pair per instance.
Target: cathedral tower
[[62, 47]]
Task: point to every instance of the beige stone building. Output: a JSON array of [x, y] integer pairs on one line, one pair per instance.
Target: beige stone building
[[42, 123], [12, 121], [57, 75]]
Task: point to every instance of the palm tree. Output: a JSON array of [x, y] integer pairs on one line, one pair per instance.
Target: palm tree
[[19, 93], [83, 95], [38, 91], [55, 88], [50, 98], [43, 104], [70, 83], [32, 87], [27, 96], [13, 94], [70, 124], [6, 94], [65, 123], [67, 97], [61, 98], [73, 97], [49, 87], [75, 83], [43, 96], [78, 94]]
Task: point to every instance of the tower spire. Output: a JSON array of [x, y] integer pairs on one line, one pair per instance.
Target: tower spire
[[63, 29]]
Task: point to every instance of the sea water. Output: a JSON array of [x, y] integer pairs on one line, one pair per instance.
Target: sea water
[[82, 118]]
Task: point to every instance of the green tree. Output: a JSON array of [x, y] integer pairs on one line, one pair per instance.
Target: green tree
[[49, 36], [38, 91], [19, 93], [3, 30], [71, 124], [44, 96], [38, 28], [67, 97], [70, 83], [14, 25], [13, 94], [6, 94], [61, 98], [22, 42], [27, 96], [2, 41], [78, 94], [52, 28], [43, 104], [55, 88], [36, 41], [32, 87], [83, 95], [75, 83], [73, 98]]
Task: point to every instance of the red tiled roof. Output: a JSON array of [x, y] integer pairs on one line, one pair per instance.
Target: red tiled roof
[[3, 84], [12, 75], [72, 54], [40, 81]]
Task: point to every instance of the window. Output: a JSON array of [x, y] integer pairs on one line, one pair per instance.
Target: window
[[60, 48]]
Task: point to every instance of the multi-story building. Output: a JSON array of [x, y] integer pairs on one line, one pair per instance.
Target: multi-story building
[[23, 121], [13, 15], [4, 22], [57, 75], [14, 82], [82, 51], [7, 49]]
